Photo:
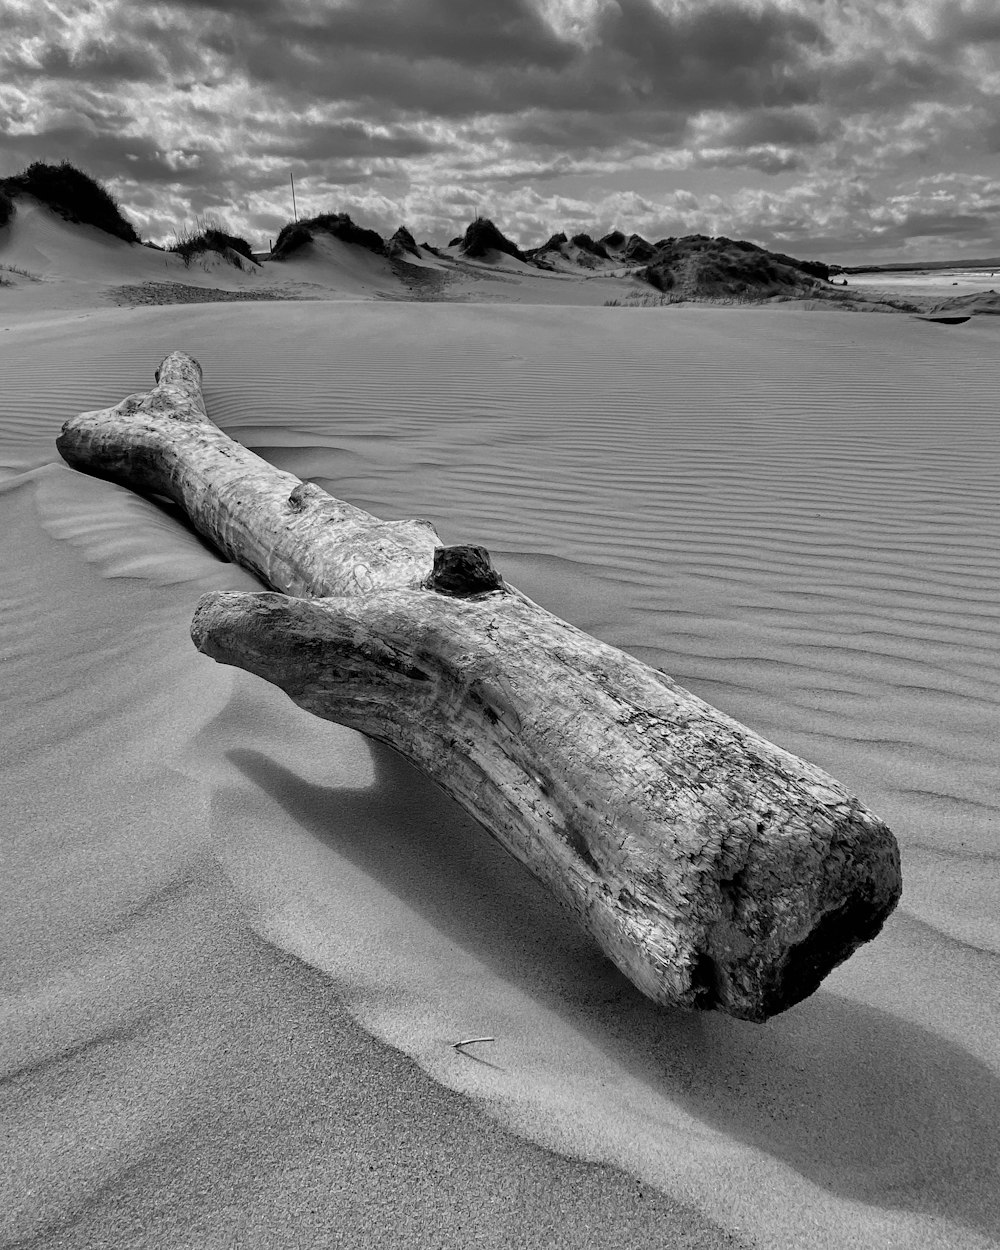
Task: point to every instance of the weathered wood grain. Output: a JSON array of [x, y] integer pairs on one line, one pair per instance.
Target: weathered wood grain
[[715, 869]]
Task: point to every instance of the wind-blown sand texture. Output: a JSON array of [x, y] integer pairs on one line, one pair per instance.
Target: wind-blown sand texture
[[238, 943]]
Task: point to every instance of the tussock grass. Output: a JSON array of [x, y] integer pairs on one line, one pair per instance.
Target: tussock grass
[[657, 300], [482, 237], [72, 194], [296, 234], [833, 299], [24, 273], [585, 242], [211, 235], [697, 266]]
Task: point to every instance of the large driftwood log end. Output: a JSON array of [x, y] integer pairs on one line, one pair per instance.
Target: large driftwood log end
[[715, 869]]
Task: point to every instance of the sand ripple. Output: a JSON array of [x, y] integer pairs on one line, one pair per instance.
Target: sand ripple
[[794, 516]]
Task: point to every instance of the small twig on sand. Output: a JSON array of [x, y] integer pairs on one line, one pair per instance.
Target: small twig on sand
[[469, 1041]]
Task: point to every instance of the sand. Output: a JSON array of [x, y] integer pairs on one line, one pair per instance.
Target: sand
[[239, 943], [939, 282]]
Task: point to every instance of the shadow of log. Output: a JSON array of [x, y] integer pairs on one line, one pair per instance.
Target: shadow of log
[[857, 1100]]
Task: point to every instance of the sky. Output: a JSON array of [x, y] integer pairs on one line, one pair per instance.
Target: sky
[[847, 130]]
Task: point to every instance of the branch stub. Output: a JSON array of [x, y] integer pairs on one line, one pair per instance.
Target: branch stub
[[463, 571]]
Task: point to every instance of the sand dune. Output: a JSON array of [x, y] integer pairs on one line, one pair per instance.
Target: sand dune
[[47, 263], [52, 263], [208, 890]]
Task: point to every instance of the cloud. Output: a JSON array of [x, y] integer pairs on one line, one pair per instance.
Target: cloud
[[785, 126], [336, 139], [98, 60], [766, 158], [384, 104], [972, 22], [506, 32], [712, 55]]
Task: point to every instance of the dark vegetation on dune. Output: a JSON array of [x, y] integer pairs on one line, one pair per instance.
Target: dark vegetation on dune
[[401, 243], [482, 237], [695, 265], [212, 239], [638, 250], [631, 249], [72, 194], [296, 234], [698, 265], [814, 268], [557, 242], [6, 208], [587, 244]]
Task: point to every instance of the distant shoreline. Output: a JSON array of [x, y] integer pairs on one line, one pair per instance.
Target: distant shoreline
[[919, 266]]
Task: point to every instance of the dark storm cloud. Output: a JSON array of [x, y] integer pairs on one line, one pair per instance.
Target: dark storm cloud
[[126, 60], [936, 225], [774, 126], [507, 32], [311, 141], [580, 131], [451, 58], [971, 24], [885, 79], [717, 54]]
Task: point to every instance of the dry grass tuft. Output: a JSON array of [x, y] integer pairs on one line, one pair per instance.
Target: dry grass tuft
[[211, 235]]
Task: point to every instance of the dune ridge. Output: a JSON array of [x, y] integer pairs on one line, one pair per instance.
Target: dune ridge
[[63, 240]]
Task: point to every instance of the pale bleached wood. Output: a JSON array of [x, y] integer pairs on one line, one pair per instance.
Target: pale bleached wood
[[715, 869], [292, 534]]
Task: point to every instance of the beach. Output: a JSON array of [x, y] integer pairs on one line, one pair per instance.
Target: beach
[[240, 943]]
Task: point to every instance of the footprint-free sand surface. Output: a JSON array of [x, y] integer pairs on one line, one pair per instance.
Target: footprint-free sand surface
[[238, 943]]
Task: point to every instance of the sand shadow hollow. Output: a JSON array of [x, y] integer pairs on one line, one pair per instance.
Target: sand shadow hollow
[[854, 1098]]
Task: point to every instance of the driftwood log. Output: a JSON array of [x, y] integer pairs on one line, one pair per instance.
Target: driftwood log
[[715, 869]]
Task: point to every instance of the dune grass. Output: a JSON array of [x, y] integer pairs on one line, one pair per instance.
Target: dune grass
[[483, 237], [654, 299], [207, 235], [588, 244], [23, 273], [72, 194], [296, 234]]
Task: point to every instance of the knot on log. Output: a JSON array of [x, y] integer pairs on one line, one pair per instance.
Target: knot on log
[[299, 496], [462, 572]]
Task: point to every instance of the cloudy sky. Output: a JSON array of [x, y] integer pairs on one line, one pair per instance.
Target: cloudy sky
[[842, 129]]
